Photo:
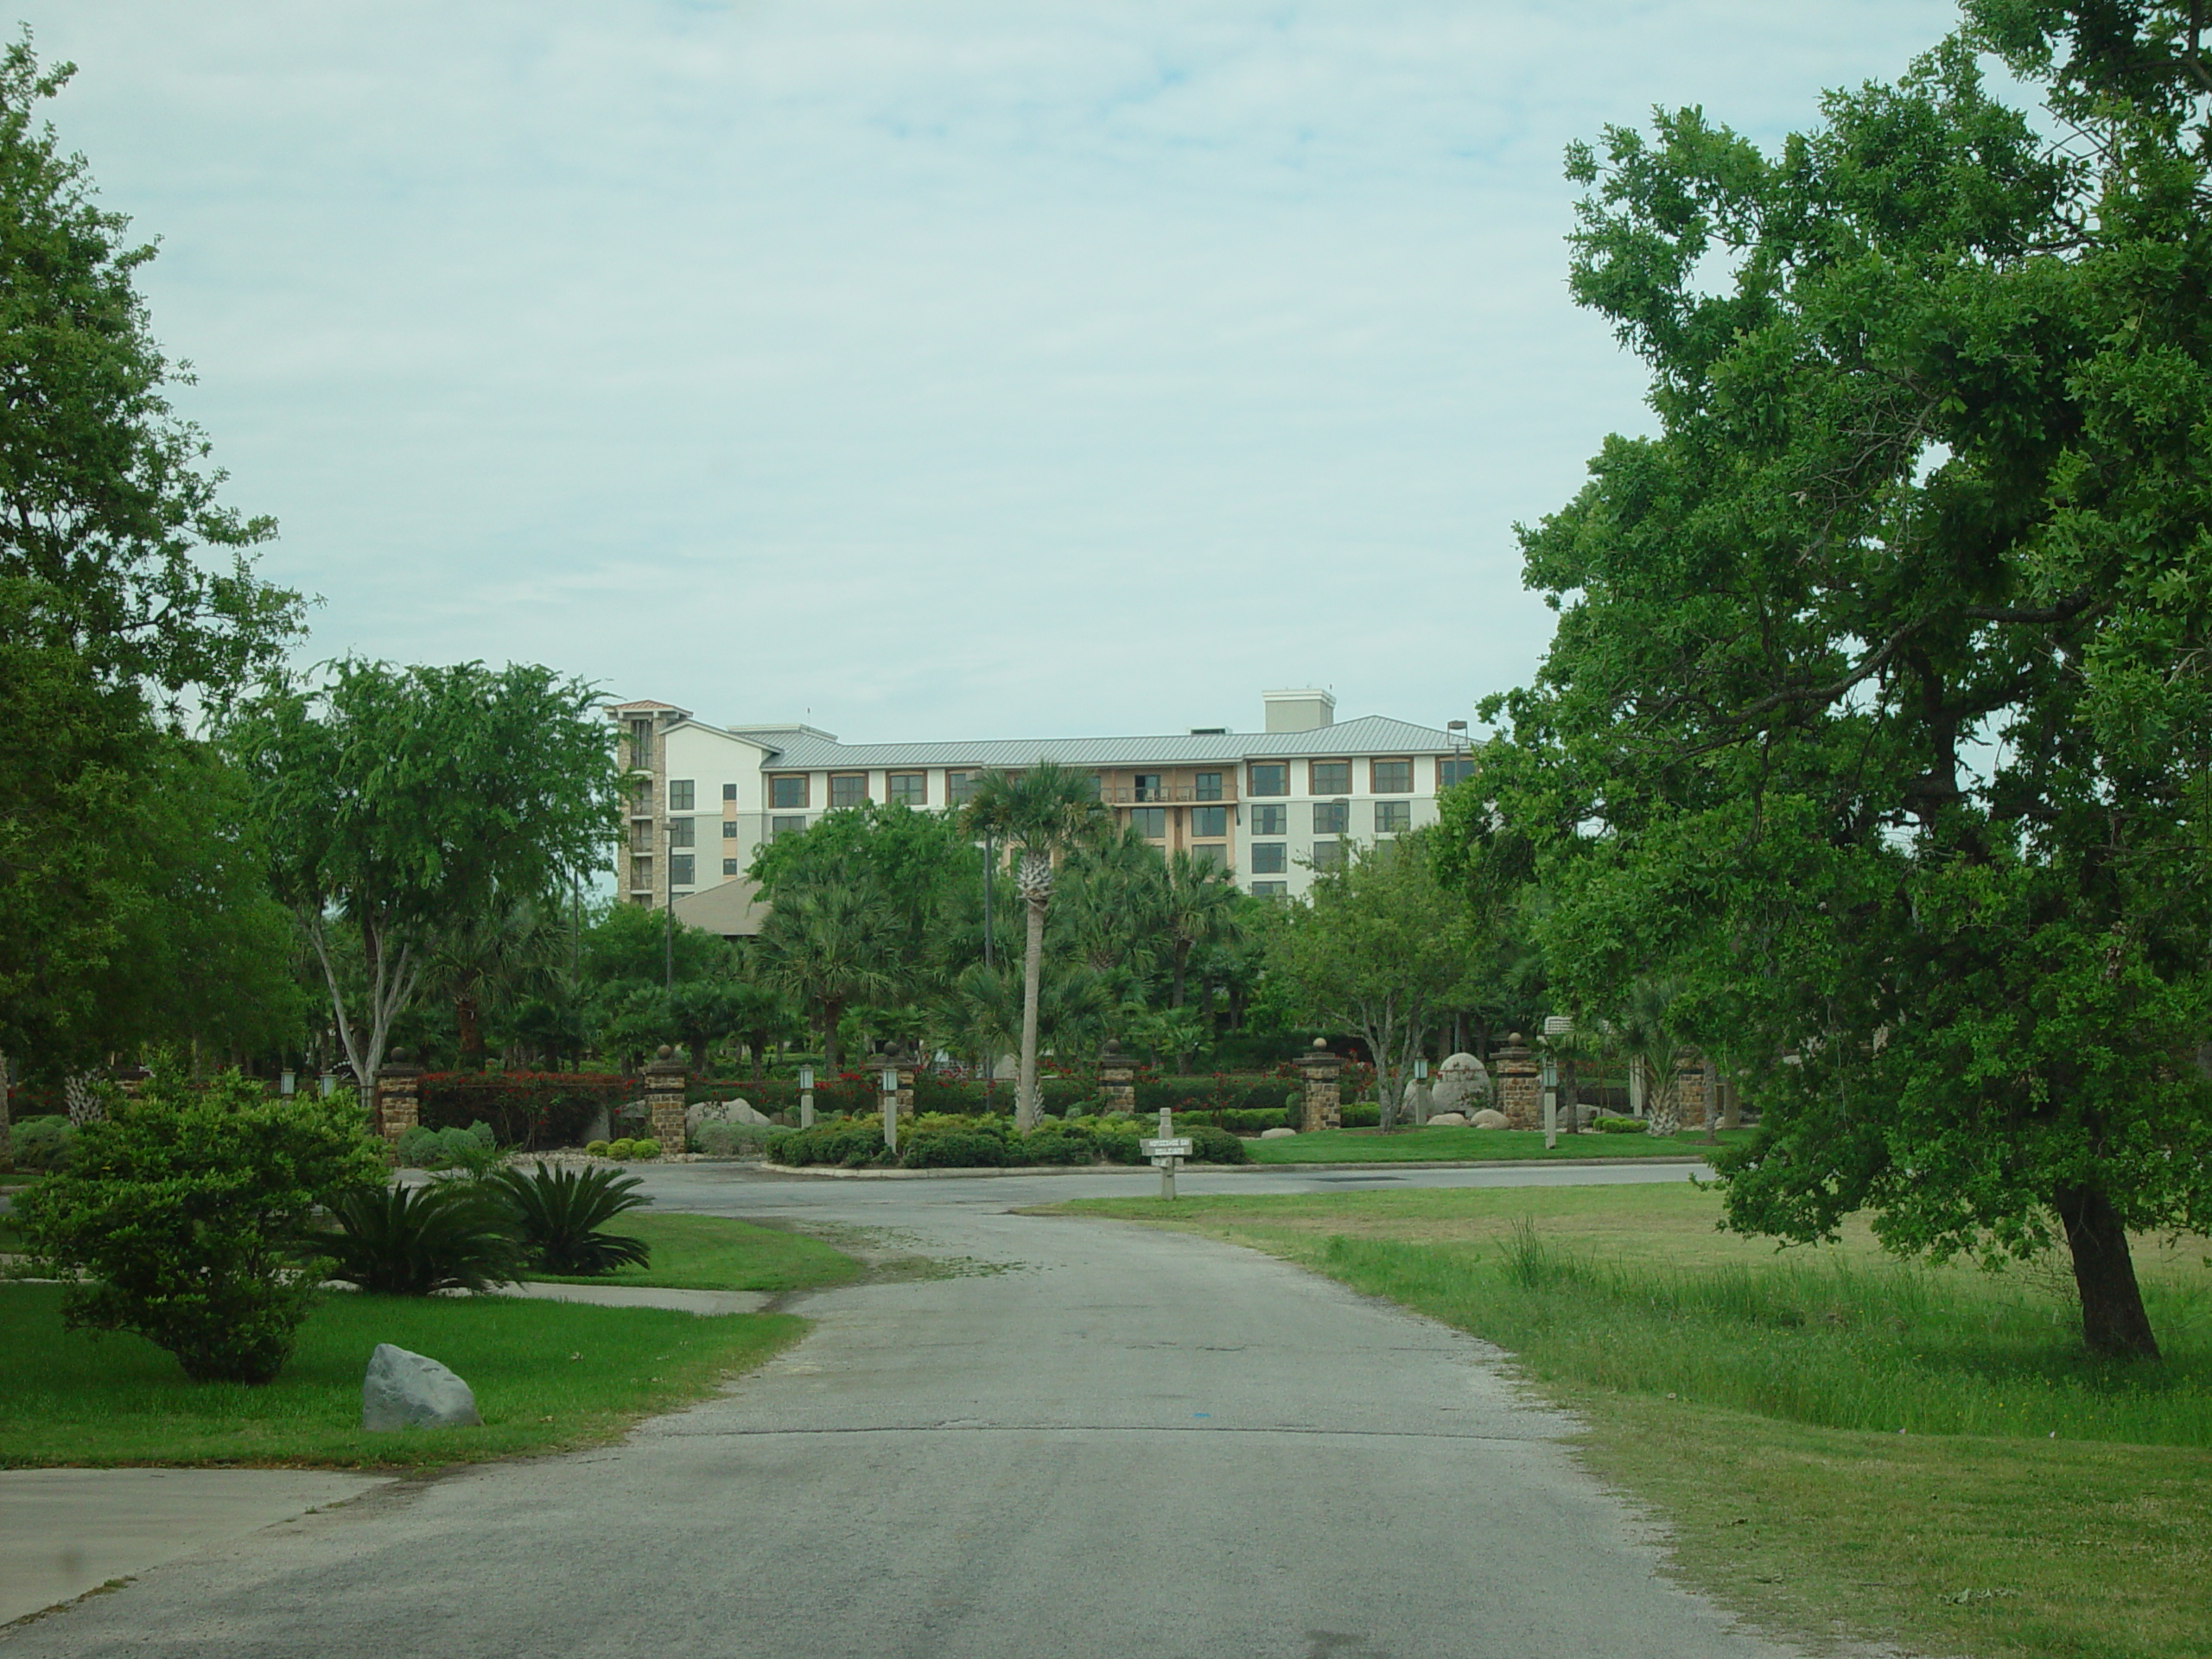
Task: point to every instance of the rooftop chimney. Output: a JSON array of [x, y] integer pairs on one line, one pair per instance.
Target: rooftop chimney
[[1307, 710]]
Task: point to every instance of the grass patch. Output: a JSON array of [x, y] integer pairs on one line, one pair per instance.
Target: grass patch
[[1447, 1144], [2038, 1503], [717, 1253], [548, 1376]]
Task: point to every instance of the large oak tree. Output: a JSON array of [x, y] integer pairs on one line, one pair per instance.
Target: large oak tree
[[1879, 715]]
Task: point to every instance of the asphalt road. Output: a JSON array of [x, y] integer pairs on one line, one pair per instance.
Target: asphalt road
[[1098, 1440]]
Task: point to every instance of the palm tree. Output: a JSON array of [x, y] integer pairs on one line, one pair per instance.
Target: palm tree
[[1040, 814], [825, 943]]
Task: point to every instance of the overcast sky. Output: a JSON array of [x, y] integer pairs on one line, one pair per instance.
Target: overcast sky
[[916, 370]]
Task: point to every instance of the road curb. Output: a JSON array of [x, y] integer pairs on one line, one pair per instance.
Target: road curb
[[822, 1173]]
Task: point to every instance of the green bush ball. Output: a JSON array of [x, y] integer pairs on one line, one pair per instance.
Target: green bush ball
[[622, 1150], [597, 1149], [646, 1149]]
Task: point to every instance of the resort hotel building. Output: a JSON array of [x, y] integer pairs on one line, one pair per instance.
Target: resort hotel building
[[1269, 805]]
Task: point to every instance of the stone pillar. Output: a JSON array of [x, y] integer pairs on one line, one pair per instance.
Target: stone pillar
[[399, 1100], [664, 1080], [905, 1061], [1117, 1080], [1520, 1083], [1689, 1089], [1320, 1070]]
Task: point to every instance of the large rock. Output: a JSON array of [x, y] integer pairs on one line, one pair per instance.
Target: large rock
[[1487, 1119], [1462, 1086], [598, 1129], [1277, 1134], [1448, 1121], [719, 1111], [404, 1390]]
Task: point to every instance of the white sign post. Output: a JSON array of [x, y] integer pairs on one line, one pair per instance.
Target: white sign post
[[1167, 1152]]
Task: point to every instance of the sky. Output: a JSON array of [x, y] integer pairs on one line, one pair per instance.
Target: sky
[[915, 370]]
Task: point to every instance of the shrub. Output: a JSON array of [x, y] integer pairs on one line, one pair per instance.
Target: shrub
[[722, 1140], [183, 1216], [1620, 1125], [398, 1240], [1212, 1146], [418, 1148], [622, 1151], [43, 1143], [647, 1147], [525, 1108], [954, 1149], [557, 1213], [598, 1149], [853, 1143], [1051, 1145]]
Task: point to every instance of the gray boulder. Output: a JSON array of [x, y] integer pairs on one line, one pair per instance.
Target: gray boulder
[[404, 1390], [1487, 1119], [1462, 1086], [597, 1129], [1448, 1121], [1277, 1134], [719, 1111]]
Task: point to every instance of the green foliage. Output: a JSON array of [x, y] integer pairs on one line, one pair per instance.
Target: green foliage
[[531, 1110], [43, 1143], [409, 800], [1619, 1126], [183, 1215], [1210, 1144], [113, 619], [599, 1149], [961, 1148], [559, 1212], [726, 1140], [414, 1241], [848, 1143], [1878, 723], [1381, 946], [645, 1146]]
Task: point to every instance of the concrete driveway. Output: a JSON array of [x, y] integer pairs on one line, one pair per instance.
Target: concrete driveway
[[1098, 1439]]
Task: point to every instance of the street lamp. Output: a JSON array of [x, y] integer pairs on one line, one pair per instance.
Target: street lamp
[[806, 1096], [890, 1103]]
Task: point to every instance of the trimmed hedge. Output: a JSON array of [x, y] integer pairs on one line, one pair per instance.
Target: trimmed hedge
[[985, 1143]]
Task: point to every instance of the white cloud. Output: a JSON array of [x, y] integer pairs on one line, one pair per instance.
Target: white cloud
[[941, 369]]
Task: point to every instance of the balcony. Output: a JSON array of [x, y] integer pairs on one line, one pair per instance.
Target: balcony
[[1168, 795]]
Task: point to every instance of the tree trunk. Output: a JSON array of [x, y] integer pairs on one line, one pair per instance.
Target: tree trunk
[[79, 1097], [467, 1018], [1027, 1108], [7, 1140], [2113, 1324], [1712, 1103], [831, 1013]]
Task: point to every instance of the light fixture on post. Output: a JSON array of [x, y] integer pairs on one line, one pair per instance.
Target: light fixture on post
[[890, 1105], [806, 1096]]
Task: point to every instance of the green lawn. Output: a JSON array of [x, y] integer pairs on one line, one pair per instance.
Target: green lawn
[[1400, 1146], [2036, 1503], [547, 1376], [717, 1253]]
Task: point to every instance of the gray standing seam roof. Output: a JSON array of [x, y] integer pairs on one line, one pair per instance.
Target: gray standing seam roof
[[1370, 735]]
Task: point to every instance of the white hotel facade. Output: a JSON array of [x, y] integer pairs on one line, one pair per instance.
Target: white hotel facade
[[1268, 805]]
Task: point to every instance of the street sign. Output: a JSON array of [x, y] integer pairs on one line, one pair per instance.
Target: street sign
[[1179, 1148]]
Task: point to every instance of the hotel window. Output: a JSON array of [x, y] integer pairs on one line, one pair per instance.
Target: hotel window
[[1207, 786], [1270, 857], [729, 828], [641, 746], [788, 793], [679, 870], [1331, 817], [1150, 822], [1148, 789], [1270, 820], [1457, 770], [729, 791], [790, 826], [1328, 854], [641, 872], [729, 867], [679, 832], [1393, 817], [1211, 857], [1270, 889], [909, 788], [1209, 823], [847, 789], [1331, 776], [959, 785], [681, 792], [1392, 777], [1272, 777]]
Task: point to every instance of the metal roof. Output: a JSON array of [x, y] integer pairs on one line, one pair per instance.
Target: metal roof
[[1371, 735]]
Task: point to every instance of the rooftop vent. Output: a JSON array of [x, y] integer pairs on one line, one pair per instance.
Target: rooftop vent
[[1306, 710], [1209, 731]]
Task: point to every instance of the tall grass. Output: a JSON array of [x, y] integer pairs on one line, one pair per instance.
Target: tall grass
[[1888, 1348]]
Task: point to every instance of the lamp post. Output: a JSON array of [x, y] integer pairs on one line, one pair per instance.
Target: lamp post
[[668, 911], [890, 1103], [990, 1058], [1420, 1090], [806, 1096]]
